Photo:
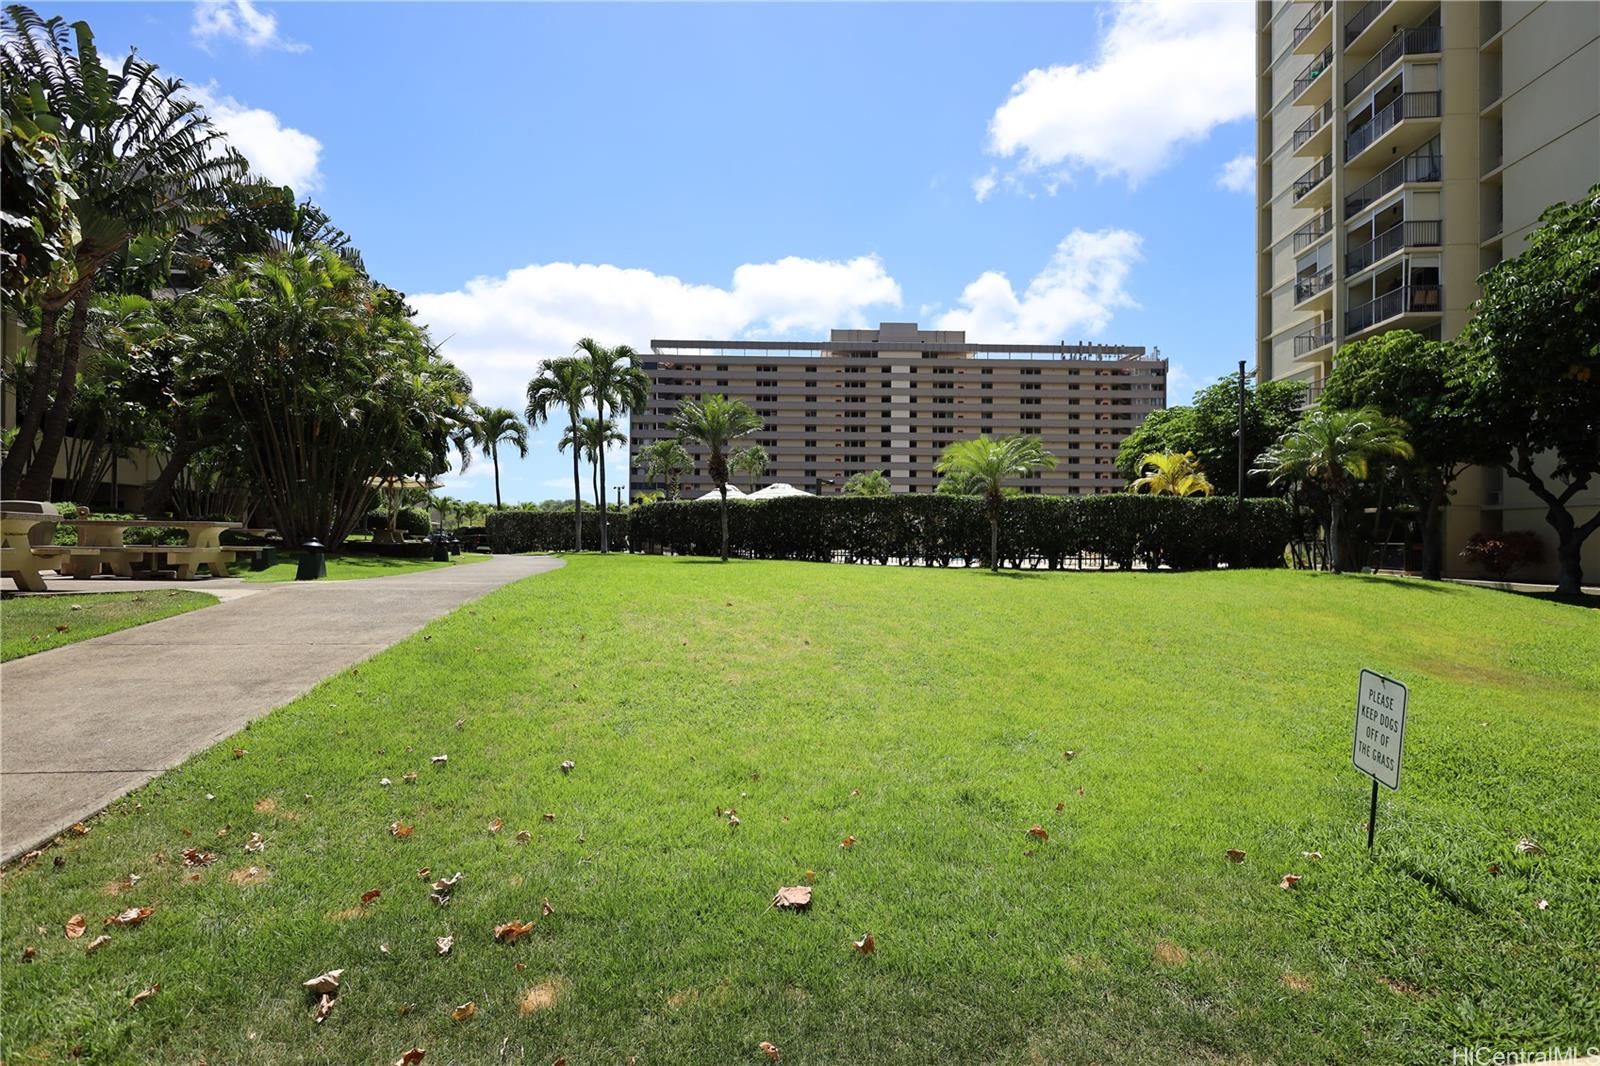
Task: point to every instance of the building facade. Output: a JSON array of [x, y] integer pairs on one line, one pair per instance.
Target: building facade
[[894, 397], [1404, 147]]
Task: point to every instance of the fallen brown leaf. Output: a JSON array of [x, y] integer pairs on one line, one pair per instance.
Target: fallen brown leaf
[[549, 816], [410, 777], [239, 753], [1528, 847], [324, 1005], [28, 857], [410, 1058], [96, 944], [465, 1011], [770, 1049], [324, 983], [29, 953], [444, 944], [370, 895], [75, 926], [524, 836], [1289, 881], [866, 945], [509, 932], [439, 760], [256, 844], [568, 766], [130, 917], [733, 821], [250, 875], [1311, 856], [1060, 807], [1494, 869], [146, 994], [399, 829], [80, 829], [792, 897], [447, 884], [847, 843], [545, 910], [1235, 855], [1038, 831], [196, 857], [1069, 755]]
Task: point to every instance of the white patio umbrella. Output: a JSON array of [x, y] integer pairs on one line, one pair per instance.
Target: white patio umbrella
[[733, 494], [777, 489]]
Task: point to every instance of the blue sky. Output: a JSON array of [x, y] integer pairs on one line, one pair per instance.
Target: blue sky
[[530, 173]]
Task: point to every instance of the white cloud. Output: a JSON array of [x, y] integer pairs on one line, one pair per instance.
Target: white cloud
[[499, 329], [1180, 385], [1075, 294], [1166, 73], [983, 185], [1238, 174], [279, 153], [242, 21]]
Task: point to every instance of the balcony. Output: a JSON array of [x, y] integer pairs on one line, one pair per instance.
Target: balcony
[[1305, 183], [1313, 231], [1363, 18], [1423, 234], [1408, 299], [1405, 106], [1312, 75], [1313, 339], [1310, 31], [1309, 285], [1308, 130], [1419, 41], [1411, 168]]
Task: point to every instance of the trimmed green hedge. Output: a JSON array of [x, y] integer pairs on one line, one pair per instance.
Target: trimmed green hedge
[[1115, 530], [511, 532]]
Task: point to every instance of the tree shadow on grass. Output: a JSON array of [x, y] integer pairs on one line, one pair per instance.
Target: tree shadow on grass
[[1415, 584]]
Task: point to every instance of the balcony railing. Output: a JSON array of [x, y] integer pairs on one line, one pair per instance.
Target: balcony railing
[[1406, 105], [1308, 129], [1411, 168], [1399, 301], [1418, 41], [1363, 18], [1313, 177], [1313, 394], [1312, 339], [1307, 287], [1303, 28], [1314, 70], [1313, 231], [1422, 234]]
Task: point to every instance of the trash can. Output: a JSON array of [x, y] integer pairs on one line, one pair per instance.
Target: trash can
[[441, 549], [313, 563], [266, 557]]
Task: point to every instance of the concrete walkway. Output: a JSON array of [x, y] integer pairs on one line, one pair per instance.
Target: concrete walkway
[[83, 724]]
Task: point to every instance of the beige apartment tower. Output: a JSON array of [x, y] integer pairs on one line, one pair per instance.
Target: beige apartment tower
[[892, 398], [1404, 147]]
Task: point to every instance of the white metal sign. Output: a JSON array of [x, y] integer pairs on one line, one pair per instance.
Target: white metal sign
[[1380, 728]]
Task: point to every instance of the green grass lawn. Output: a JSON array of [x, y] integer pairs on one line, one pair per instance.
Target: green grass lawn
[[345, 567], [924, 713], [38, 623]]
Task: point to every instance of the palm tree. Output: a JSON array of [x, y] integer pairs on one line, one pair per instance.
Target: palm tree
[[751, 461], [617, 386], [868, 483], [143, 160], [986, 464], [1171, 473], [1334, 449], [593, 437], [715, 421], [562, 383], [665, 461], [492, 427]]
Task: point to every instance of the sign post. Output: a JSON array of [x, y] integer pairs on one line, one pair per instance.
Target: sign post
[[1380, 736]]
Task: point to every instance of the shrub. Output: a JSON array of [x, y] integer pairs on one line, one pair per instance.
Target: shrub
[[413, 521], [1501, 553], [516, 531], [933, 529]]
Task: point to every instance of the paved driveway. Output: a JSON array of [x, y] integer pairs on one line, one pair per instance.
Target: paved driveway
[[83, 724]]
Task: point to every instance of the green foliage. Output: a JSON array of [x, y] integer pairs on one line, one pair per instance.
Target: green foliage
[[666, 462], [515, 530], [714, 422], [1501, 553], [934, 529], [1174, 473], [751, 461], [868, 483], [986, 465], [410, 520], [1209, 428]]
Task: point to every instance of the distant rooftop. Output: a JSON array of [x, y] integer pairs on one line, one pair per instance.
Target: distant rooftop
[[903, 338]]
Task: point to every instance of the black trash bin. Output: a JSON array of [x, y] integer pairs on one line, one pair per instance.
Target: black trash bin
[[441, 548], [313, 561], [266, 557]]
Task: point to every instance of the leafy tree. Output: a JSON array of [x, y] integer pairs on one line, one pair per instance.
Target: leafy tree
[[143, 160], [1210, 429], [562, 384], [1533, 369], [714, 422], [868, 483], [1423, 384], [752, 461], [989, 464], [616, 386], [1171, 472], [667, 462], [39, 224], [1333, 449], [490, 428]]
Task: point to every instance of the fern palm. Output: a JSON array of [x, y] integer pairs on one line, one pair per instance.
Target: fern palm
[[667, 462], [987, 464], [493, 426], [868, 483], [617, 386], [1171, 473], [562, 384], [714, 422], [1335, 449]]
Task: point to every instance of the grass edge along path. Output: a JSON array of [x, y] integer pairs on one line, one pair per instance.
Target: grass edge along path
[[923, 716], [31, 624], [349, 566]]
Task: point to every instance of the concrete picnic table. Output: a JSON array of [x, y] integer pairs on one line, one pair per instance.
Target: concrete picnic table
[[203, 547], [20, 562]]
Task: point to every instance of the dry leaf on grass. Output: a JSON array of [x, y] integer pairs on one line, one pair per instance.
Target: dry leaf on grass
[[770, 1049], [792, 897], [1494, 869], [847, 843], [1235, 855], [399, 829], [509, 932], [1169, 954], [524, 836], [1038, 831], [447, 884], [324, 983], [465, 1011], [410, 1058], [1296, 983], [256, 844], [252, 875], [1069, 755], [423, 873], [1289, 881], [324, 1005], [568, 766], [496, 825], [733, 821], [439, 760], [1060, 807], [1311, 856], [239, 753], [370, 895], [810, 875], [866, 945], [545, 910], [130, 917], [410, 778], [541, 996], [1542, 904], [62, 628], [146, 994], [96, 944], [549, 816], [79, 829], [1528, 847], [444, 944], [75, 926], [28, 857], [196, 857], [29, 953]]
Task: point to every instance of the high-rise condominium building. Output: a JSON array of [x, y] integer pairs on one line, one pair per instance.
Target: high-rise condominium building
[[892, 398], [1404, 147]]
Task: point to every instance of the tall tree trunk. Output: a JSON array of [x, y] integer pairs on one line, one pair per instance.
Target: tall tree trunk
[[45, 356], [1433, 533], [494, 457], [1335, 530], [723, 508], [1569, 535], [36, 482], [577, 488], [600, 461], [994, 537], [160, 496]]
